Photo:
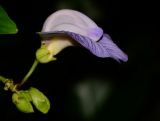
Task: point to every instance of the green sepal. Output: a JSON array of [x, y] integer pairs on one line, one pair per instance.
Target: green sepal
[[43, 55]]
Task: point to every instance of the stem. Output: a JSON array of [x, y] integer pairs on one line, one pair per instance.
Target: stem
[[3, 79], [29, 72], [8, 84]]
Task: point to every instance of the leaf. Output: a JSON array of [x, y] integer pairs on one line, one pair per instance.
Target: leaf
[[40, 101], [7, 26]]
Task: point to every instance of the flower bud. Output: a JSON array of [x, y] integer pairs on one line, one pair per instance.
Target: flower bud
[[39, 100], [22, 101]]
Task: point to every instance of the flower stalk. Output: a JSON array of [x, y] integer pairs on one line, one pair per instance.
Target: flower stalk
[[3, 79], [29, 72]]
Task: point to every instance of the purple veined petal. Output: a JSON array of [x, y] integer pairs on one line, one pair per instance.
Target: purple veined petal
[[112, 49], [105, 47]]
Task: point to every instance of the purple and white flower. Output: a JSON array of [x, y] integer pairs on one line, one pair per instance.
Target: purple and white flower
[[65, 26]]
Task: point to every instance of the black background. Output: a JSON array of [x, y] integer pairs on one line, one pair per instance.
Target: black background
[[134, 27]]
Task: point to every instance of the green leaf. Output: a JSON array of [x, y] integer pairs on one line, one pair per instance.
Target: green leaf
[[22, 101], [40, 101], [7, 26]]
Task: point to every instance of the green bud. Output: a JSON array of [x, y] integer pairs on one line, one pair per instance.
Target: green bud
[[40, 101], [43, 55], [22, 101]]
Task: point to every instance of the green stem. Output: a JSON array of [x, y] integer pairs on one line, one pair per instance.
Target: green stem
[[29, 72], [3, 79]]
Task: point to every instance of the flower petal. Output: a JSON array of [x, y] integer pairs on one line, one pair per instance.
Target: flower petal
[[72, 21], [111, 49], [104, 47]]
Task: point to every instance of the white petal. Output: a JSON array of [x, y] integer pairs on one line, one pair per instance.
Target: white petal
[[72, 21]]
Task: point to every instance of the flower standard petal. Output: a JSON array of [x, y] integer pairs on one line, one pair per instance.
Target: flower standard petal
[[72, 21]]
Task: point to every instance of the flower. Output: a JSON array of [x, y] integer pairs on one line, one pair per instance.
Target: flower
[[65, 26]]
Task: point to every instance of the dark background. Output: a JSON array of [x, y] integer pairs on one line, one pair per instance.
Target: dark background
[[133, 86]]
